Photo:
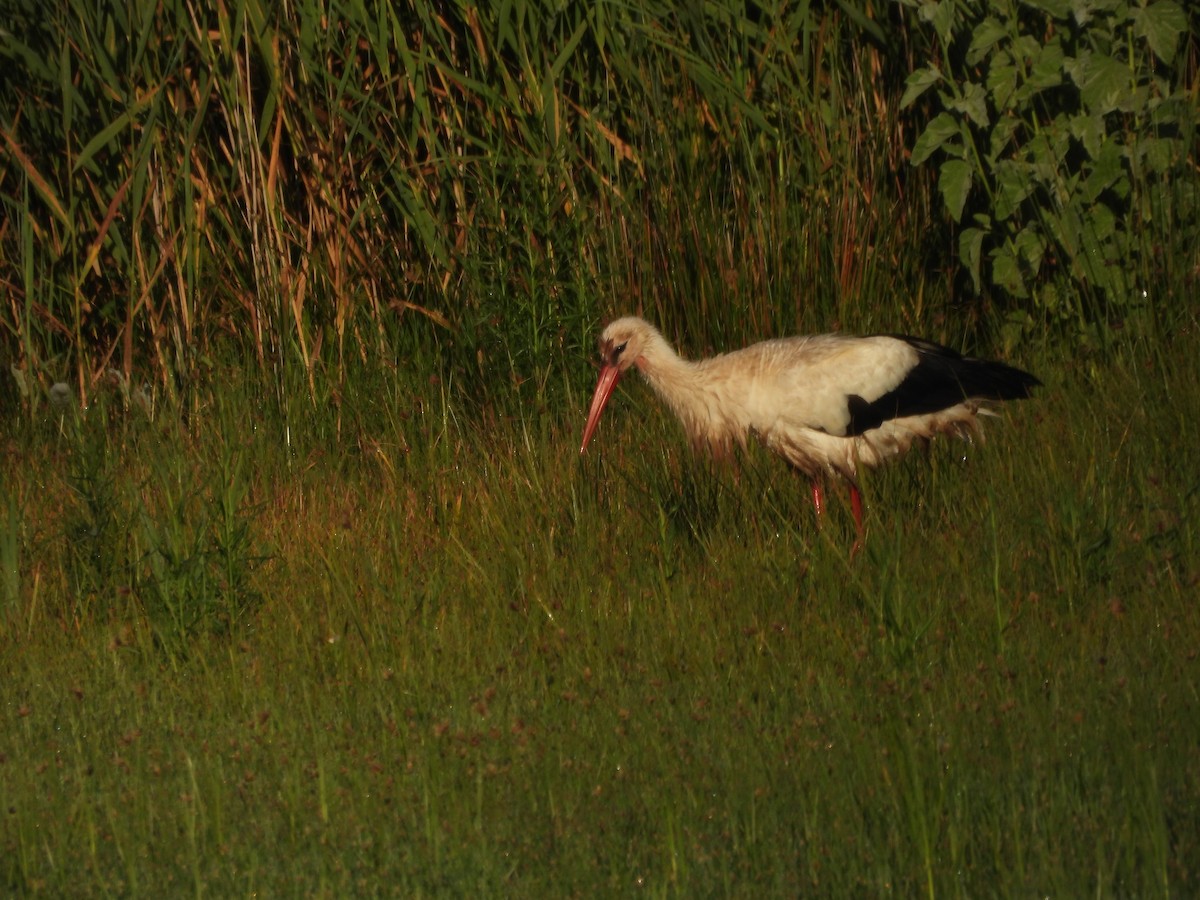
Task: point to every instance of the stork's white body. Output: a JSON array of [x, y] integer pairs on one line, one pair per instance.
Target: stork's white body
[[827, 404], [791, 394]]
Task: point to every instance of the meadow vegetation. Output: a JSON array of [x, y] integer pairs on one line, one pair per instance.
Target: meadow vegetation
[[305, 587]]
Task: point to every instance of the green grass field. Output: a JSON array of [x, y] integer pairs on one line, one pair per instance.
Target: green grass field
[[305, 589], [403, 647]]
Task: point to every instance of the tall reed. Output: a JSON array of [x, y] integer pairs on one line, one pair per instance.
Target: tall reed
[[302, 179]]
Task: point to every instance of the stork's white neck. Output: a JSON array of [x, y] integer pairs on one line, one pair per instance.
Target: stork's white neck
[[688, 389]]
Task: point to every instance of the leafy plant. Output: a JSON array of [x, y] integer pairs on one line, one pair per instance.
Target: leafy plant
[[195, 573], [96, 526], [1062, 134]]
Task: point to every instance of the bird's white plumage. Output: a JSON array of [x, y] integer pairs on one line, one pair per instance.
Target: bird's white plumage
[[791, 393]]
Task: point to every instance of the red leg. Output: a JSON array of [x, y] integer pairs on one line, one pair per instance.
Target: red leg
[[818, 497], [856, 507]]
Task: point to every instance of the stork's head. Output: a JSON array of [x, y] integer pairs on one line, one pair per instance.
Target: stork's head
[[622, 344]]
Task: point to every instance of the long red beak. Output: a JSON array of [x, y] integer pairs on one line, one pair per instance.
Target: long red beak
[[604, 388]]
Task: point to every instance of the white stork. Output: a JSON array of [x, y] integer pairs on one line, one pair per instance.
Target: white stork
[[827, 404]]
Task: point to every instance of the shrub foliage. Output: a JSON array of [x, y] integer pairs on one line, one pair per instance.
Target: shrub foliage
[[1065, 144]]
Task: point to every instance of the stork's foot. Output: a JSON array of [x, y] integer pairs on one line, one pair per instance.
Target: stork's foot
[[856, 509], [818, 498]]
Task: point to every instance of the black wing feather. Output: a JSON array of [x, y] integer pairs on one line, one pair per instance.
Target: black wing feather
[[941, 379]]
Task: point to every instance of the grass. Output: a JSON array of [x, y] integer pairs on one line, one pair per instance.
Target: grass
[[316, 595], [425, 648]]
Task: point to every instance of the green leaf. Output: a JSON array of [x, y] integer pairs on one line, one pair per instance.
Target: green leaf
[[943, 127], [1018, 324], [1002, 135], [1105, 85], [941, 15], [1093, 244], [954, 181], [19, 377], [1090, 131], [550, 116], [987, 35], [1026, 48], [1049, 298], [1046, 153], [1030, 248], [1001, 80], [1159, 155], [108, 133], [422, 219], [1170, 110], [1014, 182], [918, 83], [1102, 223], [970, 249], [1065, 228], [560, 62], [1160, 24], [1105, 172], [972, 104], [1045, 70], [1006, 271]]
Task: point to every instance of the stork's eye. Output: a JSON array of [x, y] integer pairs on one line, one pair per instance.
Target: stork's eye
[[620, 348]]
